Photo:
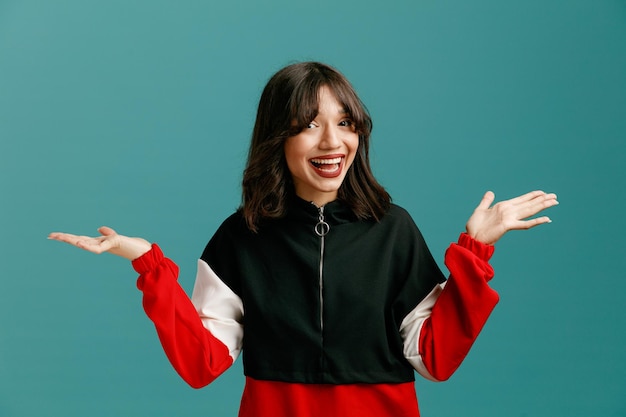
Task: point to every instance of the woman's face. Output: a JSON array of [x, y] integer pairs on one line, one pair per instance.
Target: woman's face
[[319, 157]]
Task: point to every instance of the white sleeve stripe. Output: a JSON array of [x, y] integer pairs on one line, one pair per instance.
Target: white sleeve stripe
[[220, 309], [411, 328]]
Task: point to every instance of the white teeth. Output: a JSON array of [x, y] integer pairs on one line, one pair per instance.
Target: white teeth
[[326, 161]]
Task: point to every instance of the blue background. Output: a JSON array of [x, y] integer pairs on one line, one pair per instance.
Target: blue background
[[137, 115]]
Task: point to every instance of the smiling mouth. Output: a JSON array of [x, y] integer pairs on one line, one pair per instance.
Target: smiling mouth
[[327, 165]]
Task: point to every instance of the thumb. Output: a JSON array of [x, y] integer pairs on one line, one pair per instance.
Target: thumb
[[487, 200], [106, 231]]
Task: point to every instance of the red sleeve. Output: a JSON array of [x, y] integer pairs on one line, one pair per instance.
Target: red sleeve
[[461, 310], [195, 353]]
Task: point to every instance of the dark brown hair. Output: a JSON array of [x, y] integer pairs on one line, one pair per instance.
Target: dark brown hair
[[288, 104]]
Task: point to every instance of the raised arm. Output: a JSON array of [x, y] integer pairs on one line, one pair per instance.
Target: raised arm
[[110, 241], [201, 340], [440, 331]]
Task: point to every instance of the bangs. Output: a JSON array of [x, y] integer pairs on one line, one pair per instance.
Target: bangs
[[304, 102]]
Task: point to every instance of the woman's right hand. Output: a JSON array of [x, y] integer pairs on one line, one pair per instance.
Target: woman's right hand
[[127, 247]]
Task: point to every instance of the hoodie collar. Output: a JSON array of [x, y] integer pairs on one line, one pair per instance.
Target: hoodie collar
[[335, 212]]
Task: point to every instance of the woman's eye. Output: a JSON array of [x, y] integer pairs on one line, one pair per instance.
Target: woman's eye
[[348, 123], [310, 126]]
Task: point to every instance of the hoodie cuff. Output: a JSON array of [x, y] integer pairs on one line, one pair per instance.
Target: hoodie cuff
[[149, 260], [481, 250]]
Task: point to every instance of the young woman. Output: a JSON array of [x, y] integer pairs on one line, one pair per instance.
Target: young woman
[[333, 286]]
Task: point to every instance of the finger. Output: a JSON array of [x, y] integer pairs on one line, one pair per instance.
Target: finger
[[535, 206], [486, 201], [529, 224], [66, 237], [527, 197], [106, 231], [55, 235], [540, 198]]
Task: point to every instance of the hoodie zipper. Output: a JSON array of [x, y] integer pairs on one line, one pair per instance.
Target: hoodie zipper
[[321, 229]]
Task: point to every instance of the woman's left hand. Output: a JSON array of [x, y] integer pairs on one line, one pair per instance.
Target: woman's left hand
[[489, 223]]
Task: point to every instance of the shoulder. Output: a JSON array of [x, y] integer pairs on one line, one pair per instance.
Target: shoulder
[[398, 214], [401, 223], [235, 221], [396, 210], [232, 230]]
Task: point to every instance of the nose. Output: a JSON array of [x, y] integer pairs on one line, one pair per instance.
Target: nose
[[330, 138]]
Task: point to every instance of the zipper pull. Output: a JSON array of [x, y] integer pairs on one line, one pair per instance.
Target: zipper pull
[[322, 228]]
